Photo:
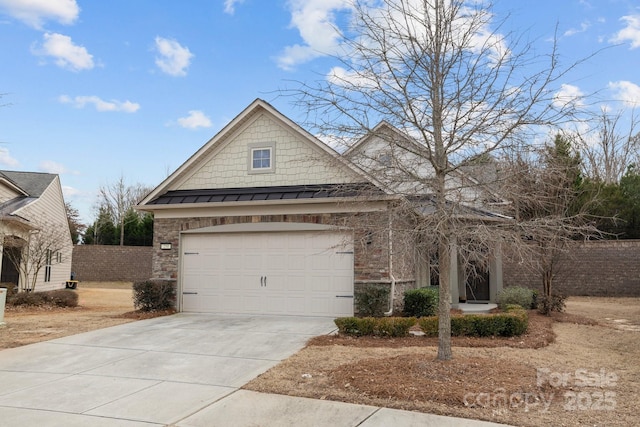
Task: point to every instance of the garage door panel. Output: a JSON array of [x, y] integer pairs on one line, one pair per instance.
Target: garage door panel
[[304, 273]]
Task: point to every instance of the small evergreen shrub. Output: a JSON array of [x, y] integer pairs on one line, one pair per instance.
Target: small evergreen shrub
[[356, 326], [154, 295], [394, 326], [515, 295], [534, 300], [372, 300], [375, 326], [421, 302], [507, 324], [554, 302]]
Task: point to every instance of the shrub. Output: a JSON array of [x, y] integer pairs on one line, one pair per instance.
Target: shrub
[[508, 324], [421, 302], [515, 295], [61, 298], [27, 298], [357, 326], [56, 298], [154, 295], [372, 300], [378, 326], [394, 326], [534, 300], [548, 304]]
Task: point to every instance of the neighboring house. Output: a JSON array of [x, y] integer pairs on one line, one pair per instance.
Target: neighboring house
[[36, 241], [267, 219]]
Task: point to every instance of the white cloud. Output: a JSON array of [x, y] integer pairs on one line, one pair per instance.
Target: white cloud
[[630, 33], [99, 104], [342, 77], [315, 20], [6, 159], [195, 119], [35, 12], [626, 92], [49, 166], [568, 94], [66, 53], [69, 192], [230, 6], [573, 31], [173, 58]]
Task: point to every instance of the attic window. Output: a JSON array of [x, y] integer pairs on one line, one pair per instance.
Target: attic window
[[261, 158], [384, 158]]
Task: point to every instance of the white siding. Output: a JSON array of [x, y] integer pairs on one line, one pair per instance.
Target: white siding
[[407, 173], [6, 193], [49, 213], [297, 161]]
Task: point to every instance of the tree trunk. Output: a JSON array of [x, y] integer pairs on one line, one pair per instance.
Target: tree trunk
[[444, 305]]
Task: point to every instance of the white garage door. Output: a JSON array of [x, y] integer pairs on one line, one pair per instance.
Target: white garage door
[[290, 273]]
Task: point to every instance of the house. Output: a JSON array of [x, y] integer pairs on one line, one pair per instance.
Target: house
[[267, 219], [398, 161], [36, 241]]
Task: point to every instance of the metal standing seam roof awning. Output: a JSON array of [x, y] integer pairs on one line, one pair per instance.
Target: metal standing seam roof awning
[[247, 194]]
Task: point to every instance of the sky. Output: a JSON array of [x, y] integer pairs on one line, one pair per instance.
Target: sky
[[97, 90]]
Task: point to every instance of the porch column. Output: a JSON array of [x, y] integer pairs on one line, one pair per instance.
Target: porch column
[[495, 273], [423, 268]]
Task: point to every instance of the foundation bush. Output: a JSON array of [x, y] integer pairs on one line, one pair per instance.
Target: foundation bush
[[372, 300], [515, 295], [507, 324], [375, 326], [421, 302], [154, 295]]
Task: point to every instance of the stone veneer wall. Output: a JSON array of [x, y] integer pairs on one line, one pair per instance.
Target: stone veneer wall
[[599, 268], [111, 263]]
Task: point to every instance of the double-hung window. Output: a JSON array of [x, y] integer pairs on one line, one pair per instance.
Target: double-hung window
[[47, 267]]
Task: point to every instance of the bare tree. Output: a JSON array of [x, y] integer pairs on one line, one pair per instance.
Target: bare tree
[[438, 71], [607, 149], [118, 198], [41, 249], [551, 206], [76, 227]]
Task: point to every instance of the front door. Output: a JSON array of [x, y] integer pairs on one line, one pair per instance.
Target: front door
[[478, 287]]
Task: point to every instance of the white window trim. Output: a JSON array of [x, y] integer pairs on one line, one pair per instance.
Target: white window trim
[[271, 146]]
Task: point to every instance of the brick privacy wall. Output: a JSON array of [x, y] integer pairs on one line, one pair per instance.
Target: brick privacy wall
[[602, 268], [112, 263]]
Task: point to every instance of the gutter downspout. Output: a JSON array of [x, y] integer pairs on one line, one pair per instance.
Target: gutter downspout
[[391, 276]]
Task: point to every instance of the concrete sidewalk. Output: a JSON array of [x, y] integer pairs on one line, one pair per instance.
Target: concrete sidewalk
[[183, 370]]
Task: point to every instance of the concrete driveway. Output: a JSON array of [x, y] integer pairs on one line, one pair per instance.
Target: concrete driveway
[[182, 370], [157, 371]]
